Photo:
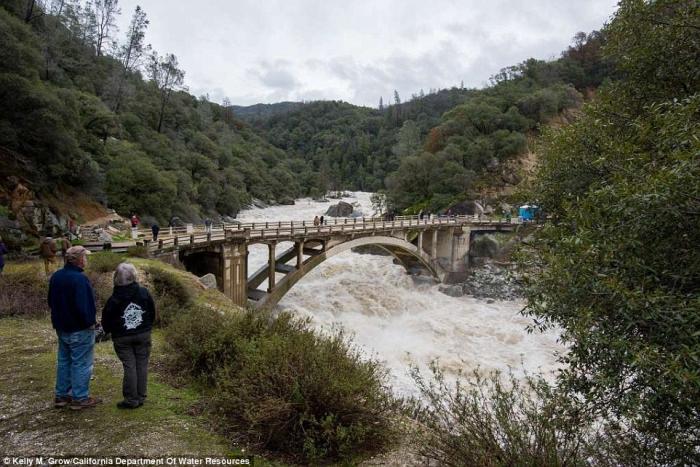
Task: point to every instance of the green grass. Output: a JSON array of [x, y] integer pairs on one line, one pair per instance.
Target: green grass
[[167, 424]]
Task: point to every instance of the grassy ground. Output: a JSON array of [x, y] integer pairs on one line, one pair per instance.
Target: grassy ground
[[167, 423]]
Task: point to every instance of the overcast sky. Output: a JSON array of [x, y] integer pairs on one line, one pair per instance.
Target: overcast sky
[[268, 51]]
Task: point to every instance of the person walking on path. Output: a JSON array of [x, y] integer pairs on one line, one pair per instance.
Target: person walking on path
[[73, 313], [47, 251], [155, 229], [129, 315], [64, 244], [3, 252]]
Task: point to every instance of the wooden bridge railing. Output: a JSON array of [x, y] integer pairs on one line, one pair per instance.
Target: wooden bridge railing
[[266, 230]]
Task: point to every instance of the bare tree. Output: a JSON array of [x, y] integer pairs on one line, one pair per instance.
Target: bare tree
[[131, 52], [106, 12], [167, 77]]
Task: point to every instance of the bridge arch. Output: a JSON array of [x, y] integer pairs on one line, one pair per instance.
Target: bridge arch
[[401, 249]]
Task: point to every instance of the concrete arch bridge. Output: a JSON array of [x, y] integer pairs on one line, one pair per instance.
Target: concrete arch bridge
[[438, 247]]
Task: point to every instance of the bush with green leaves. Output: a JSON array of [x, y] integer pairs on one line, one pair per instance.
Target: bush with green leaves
[[495, 420], [104, 261], [618, 269], [284, 387]]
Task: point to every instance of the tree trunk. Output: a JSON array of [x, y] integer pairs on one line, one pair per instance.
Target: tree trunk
[[30, 11]]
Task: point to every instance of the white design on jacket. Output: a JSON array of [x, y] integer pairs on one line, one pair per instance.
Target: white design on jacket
[[133, 316]]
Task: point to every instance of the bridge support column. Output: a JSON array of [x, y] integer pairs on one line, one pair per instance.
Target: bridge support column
[[420, 241], [433, 246], [271, 266], [300, 254], [234, 271]]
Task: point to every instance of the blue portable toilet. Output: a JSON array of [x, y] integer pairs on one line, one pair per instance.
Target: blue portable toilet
[[527, 212]]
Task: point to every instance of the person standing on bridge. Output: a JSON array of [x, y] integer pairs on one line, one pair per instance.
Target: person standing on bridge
[[129, 315], [317, 221], [320, 220], [155, 229], [207, 225]]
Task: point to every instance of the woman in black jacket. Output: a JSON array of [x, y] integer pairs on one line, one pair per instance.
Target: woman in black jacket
[[129, 315]]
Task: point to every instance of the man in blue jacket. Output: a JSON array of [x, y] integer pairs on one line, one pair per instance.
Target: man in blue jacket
[[73, 315]]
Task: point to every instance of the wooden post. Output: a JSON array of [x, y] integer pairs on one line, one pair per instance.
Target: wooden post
[[271, 267], [160, 244], [175, 240], [191, 239]]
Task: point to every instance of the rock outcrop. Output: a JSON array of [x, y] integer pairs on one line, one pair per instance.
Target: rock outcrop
[[342, 209]]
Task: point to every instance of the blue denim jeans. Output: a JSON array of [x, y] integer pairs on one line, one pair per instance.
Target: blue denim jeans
[[74, 365]]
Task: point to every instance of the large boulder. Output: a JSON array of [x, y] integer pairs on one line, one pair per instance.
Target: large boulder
[[484, 246], [208, 281], [342, 209], [466, 208]]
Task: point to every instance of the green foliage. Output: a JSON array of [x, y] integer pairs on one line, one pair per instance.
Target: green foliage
[[618, 269], [61, 108], [137, 251], [486, 421], [286, 388], [104, 261], [170, 293]]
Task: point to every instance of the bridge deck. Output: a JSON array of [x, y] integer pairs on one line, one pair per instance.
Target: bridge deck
[[261, 232]]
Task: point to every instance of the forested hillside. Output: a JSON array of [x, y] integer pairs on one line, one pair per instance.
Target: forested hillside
[[434, 147], [85, 107], [80, 106]]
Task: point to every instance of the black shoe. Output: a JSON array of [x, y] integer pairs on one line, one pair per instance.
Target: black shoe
[[60, 402], [127, 405]]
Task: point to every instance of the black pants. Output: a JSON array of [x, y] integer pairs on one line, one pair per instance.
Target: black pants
[[134, 351]]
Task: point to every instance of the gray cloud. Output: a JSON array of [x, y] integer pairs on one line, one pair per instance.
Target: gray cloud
[[305, 49]]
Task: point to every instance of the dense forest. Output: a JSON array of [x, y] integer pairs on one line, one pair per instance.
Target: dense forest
[[86, 107], [109, 116], [434, 147]]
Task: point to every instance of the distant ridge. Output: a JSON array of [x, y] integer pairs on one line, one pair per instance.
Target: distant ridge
[[262, 111]]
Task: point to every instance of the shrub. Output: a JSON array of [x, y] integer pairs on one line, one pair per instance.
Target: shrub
[[169, 292], [104, 261], [137, 251], [284, 387], [23, 290], [488, 422]]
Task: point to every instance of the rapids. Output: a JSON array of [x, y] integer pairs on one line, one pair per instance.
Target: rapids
[[403, 322]]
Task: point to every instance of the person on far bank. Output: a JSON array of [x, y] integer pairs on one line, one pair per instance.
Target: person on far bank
[[129, 315], [155, 229], [73, 314], [47, 251], [3, 252]]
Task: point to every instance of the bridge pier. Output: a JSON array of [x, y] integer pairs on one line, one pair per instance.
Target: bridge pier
[[300, 253], [234, 271], [271, 266]]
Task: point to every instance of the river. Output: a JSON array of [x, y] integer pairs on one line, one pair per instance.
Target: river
[[402, 322]]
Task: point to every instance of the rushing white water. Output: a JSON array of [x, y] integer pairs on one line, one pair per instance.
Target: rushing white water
[[403, 323]]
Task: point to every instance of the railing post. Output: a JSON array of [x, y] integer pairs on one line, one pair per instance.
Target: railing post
[[208, 237], [191, 239], [175, 241], [160, 244]]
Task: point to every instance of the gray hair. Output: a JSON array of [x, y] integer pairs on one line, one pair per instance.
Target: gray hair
[[125, 274]]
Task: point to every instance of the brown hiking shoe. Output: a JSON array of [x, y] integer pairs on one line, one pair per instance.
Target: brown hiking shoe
[[60, 402], [85, 403]]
